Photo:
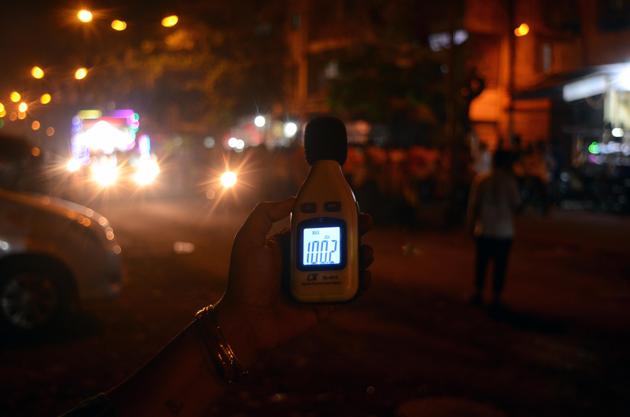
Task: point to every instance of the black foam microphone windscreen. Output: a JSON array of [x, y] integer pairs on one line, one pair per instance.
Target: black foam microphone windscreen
[[325, 138]]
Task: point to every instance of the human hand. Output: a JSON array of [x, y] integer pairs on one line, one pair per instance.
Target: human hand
[[255, 312]]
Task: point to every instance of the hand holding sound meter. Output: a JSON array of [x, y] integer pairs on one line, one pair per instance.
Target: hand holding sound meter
[[324, 220]]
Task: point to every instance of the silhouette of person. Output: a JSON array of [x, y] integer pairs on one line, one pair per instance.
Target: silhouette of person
[[493, 201]]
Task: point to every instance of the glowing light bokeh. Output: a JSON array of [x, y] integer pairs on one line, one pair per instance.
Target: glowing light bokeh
[[623, 78], [15, 96], [85, 16], [80, 73], [228, 179], [521, 30], [22, 107], [104, 137], [37, 72], [119, 25], [72, 165], [147, 171], [105, 172], [45, 98], [290, 129], [170, 21], [260, 121]]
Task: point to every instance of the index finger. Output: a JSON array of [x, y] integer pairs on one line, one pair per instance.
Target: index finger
[[365, 223], [254, 230]]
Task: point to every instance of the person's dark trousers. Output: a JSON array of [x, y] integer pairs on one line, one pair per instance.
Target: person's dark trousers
[[493, 250]]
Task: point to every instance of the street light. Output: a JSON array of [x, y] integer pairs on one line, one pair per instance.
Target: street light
[[15, 96], [521, 30], [85, 16], [170, 21], [119, 25], [22, 107], [260, 121], [80, 73], [45, 98], [37, 72]]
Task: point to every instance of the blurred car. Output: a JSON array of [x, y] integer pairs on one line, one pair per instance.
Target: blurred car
[[53, 254], [21, 166]]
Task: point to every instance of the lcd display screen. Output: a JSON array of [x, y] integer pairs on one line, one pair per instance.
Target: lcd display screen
[[322, 246]]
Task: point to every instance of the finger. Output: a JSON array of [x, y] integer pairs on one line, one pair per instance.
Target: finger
[[365, 223], [366, 256], [255, 229]]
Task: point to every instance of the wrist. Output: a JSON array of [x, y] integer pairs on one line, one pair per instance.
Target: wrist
[[238, 332]]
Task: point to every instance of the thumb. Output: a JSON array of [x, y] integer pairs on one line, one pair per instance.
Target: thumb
[[254, 230]]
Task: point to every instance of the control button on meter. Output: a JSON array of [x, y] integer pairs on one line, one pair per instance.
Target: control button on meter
[[332, 206], [308, 207]]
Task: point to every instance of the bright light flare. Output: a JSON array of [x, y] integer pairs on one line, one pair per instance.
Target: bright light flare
[[623, 78], [37, 72], [85, 16], [147, 172], [236, 143], [80, 73], [45, 98], [260, 121], [228, 179], [170, 21], [290, 129], [73, 165], [22, 107], [15, 96], [119, 25], [105, 172], [521, 30]]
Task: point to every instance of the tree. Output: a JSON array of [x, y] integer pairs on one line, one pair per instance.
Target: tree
[[224, 61]]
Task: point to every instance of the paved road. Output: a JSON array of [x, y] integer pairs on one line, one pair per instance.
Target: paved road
[[412, 346]]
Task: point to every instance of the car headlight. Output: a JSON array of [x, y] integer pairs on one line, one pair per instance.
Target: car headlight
[[147, 171], [73, 165], [228, 179], [105, 172]]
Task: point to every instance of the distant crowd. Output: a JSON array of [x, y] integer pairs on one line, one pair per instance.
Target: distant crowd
[[394, 184]]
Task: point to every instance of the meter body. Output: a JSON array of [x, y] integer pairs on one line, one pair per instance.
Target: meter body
[[324, 232]]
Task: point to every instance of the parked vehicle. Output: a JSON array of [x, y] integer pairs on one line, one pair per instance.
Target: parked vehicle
[[53, 255]]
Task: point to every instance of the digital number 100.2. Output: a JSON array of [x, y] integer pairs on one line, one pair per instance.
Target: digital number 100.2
[[321, 252]]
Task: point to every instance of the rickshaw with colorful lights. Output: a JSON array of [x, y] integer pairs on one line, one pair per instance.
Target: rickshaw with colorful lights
[[109, 152]]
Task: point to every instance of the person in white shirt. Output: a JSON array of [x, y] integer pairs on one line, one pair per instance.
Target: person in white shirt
[[494, 199]]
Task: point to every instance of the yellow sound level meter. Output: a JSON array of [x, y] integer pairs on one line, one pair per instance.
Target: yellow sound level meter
[[324, 221]]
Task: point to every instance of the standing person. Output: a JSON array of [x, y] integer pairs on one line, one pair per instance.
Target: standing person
[[493, 201]]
